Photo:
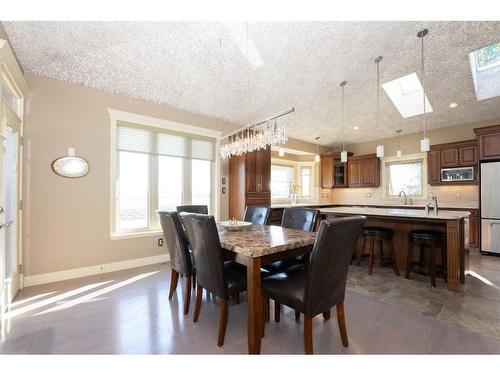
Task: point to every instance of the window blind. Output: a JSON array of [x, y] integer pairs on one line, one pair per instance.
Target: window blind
[[138, 138]]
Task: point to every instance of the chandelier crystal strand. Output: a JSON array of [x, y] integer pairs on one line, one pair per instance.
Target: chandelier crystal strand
[[380, 147], [343, 154], [424, 142]]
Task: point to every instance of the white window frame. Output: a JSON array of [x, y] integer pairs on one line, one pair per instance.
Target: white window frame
[[311, 182], [294, 176], [297, 165], [403, 160], [116, 116]]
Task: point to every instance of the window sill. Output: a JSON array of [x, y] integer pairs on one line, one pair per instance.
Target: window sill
[[128, 235]]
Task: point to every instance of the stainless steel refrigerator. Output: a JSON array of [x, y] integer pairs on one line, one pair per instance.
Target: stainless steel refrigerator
[[490, 207]]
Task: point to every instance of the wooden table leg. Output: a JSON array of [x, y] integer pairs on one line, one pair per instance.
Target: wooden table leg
[[455, 253], [255, 307]]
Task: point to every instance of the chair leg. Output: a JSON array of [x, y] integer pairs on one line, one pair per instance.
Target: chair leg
[[393, 258], [187, 297], [370, 264], [174, 278], [277, 312], [308, 339], [266, 307], [432, 264], [409, 259], [342, 326], [297, 315], [197, 308], [327, 315], [194, 281], [222, 321], [360, 259]]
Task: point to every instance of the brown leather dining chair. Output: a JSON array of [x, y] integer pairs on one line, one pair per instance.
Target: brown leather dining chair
[[193, 208], [257, 214], [180, 257], [213, 274], [320, 286]]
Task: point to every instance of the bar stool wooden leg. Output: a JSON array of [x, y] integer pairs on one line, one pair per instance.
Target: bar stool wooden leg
[[370, 265], [393, 258], [381, 250], [360, 259], [432, 264], [409, 259]]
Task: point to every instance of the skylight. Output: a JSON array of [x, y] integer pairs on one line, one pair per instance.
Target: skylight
[[485, 69], [406, 95]]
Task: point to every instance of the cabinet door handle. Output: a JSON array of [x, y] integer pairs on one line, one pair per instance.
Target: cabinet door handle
[[6, 225]]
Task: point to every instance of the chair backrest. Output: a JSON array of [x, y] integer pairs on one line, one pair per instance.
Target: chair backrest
[[299, 218], [193, 208], [203, 237], [177, 244], [257, 214], [329, 263]]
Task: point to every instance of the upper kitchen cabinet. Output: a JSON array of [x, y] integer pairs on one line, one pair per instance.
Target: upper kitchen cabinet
[[333, 172], [249, 181], [489, 142], [453, 163], [364, 171]]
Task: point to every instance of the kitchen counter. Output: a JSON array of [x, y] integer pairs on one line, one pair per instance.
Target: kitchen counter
[[396, 212], [403, 206]]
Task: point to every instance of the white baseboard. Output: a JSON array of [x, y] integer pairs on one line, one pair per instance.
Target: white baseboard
[[74, 273]]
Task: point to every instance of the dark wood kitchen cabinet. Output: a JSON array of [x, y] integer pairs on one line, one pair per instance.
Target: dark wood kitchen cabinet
[[452, 155], [333, 172], [474, 228], [489, 142], [364, 171], [249, 181]]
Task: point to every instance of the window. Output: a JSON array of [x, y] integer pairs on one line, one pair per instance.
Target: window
[[485, 68], [406, 95], [405, 176], [305, 182], [281, 179], [159, 169]]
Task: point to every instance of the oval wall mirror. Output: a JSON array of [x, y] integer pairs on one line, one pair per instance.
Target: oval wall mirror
[[70, 166]]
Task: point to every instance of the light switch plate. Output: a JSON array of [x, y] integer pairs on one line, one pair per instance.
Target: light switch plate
[[368, 195]]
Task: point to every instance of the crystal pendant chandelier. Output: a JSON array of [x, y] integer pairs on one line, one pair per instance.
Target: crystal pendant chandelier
[[257, 136], [380, 147], [425, 144], [343, 154]]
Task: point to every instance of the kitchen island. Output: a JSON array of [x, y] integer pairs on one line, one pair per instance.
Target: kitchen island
[[402, 221]]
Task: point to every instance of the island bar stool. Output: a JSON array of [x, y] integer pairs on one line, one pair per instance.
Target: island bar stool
[[426, 239], [379, 235]]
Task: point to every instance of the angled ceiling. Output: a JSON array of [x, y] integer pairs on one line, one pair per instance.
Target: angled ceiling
[[202, 67]]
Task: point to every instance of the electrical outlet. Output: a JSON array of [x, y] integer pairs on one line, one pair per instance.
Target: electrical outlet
[[368, 195], [160, 242]]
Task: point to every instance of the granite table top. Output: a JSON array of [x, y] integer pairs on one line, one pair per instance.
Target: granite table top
[[258, 240]]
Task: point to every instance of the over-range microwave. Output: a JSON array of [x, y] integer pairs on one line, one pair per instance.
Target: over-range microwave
[[457, 174]]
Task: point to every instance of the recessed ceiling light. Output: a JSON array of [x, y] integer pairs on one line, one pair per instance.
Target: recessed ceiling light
[[453, 105], [356, 128], [406, 95]]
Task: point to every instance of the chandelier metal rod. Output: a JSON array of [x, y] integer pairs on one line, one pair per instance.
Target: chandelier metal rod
[[256, 124]]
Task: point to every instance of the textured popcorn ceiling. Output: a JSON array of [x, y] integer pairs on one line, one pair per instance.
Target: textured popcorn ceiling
[[201, 67]]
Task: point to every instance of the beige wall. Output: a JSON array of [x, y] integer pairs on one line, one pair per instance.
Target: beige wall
[[67, 221]]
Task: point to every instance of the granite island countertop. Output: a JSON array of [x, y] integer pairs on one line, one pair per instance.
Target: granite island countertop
[[396, 212], [259, 240]]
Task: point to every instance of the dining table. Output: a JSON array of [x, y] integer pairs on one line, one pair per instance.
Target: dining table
[[255, 246]]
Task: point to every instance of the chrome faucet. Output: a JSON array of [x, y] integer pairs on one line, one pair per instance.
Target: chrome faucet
[[436, 207], [406, 198]]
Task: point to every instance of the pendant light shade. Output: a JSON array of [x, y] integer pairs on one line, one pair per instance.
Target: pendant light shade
[[380, 151], [343, 157], [343, 154], [399, 153], [317, 158], [425, 144], [281, 152]]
